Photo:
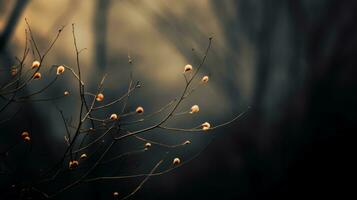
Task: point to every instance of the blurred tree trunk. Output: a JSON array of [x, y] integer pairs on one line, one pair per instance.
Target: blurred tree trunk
[[11, 23], [100, 28]]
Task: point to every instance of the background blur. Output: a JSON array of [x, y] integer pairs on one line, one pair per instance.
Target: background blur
[[291, 61]]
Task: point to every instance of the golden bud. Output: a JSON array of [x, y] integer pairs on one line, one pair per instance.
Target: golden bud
[[100, 97], [176, 161], [148, 145], [188, 68], [83, 156], [73, 164], [35, 64], [206, 126], [139, 110], [205, 79], [60, 70], [195, 109], [114, 116], [37, 75]]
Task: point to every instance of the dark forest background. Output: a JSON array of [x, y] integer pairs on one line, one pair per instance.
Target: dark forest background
[[294, 142]]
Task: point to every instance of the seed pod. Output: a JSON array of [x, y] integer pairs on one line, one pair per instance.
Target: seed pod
[[35, 64], [139, 110]]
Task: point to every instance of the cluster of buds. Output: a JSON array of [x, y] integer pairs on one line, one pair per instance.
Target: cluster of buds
[[73, 164], [206, 126], [99, 97], [25, 136], [194, 109], [60, 69], [189, 68], [139, 110]]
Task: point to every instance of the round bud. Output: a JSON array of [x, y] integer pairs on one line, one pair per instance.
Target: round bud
[[205, 79], [187, 142], [35, 64], [195, 109], [37, 75], [188, 68], [115, 194], [25, 134], [176, 161], [66, 93], [13, 71], [206, 126], [114, 116], [139, 110], [73, 164], [100, 97], [83, 156], [148, 145], [27, 139], [60, 70]]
